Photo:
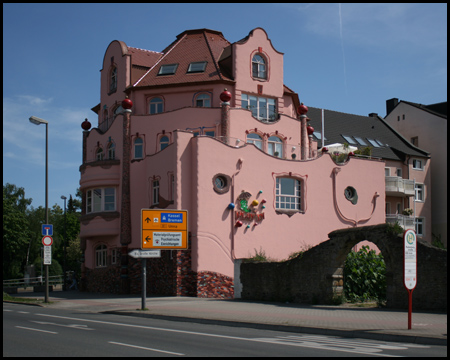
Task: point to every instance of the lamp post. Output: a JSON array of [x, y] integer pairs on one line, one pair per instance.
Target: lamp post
[[64, 242], [38, 121]]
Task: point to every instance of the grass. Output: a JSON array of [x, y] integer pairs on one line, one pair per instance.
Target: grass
[[23, 300]]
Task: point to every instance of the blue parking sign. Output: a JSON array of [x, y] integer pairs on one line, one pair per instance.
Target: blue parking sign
[[47, 229]]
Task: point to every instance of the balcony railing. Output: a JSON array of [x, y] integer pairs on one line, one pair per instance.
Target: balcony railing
[[406, 222], [397, 186]]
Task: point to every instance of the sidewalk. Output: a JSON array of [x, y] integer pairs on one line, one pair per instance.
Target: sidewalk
[[370, 323]]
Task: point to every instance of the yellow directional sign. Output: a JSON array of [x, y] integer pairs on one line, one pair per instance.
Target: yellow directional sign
[[164, 229]]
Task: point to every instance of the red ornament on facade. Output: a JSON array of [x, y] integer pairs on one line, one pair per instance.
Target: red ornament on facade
[[127, 104], [310, 130], [86, 125], [225, 96], [302, 109], [324, 149]]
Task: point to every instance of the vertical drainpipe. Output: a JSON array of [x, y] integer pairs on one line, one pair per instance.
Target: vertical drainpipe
[[302, 110], [225, 97], [125, 210]]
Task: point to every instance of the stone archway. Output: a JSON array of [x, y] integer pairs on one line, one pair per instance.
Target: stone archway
[[316, 276]]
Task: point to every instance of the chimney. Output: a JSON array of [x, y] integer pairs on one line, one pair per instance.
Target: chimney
[[390, 105], [373, 115]]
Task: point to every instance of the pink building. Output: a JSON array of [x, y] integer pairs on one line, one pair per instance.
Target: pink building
[[242, 162]]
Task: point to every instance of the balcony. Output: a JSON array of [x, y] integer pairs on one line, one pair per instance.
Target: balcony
[[397, 186], [406, 222]]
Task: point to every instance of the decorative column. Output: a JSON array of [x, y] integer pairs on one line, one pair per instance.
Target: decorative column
[[310, 131], [225, 96], [302, 110], [125, 210], [85, 125]]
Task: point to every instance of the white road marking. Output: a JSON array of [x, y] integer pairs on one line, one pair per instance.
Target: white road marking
[[310, 344], [145, 348], [27, 328], [74, 326]]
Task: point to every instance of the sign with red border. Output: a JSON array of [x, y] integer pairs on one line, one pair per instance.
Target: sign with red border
[[47, 241], [410, 259]]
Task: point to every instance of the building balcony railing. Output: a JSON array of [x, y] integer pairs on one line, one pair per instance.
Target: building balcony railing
[[406, 222], [397, 186]]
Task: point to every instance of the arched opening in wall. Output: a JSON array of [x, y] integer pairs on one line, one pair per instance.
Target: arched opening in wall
[[364, 275]]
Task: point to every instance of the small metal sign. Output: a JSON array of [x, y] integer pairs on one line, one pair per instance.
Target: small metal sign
[[145, 254], [47, 241], [47, 255], [47, 229]]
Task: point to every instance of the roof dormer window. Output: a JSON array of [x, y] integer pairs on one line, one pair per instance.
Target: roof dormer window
[[168, 69], [197, 67]]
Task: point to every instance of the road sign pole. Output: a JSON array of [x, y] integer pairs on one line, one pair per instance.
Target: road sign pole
[[144, 282], [409, 308]]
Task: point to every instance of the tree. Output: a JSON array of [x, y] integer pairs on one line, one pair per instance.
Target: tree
[[16, 234]]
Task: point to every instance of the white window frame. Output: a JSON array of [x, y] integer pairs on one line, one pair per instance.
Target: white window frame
[[288, 202], [167, 69], [156, 106], [258, 142], [111, 151], [399, 172], [113, 80], [101, 254], [387, 171], [115, 256], [138, 147], [275, 146], [419, 225], [203, 100], [419, 192], [197, 67], [99, 155], [155, 192], [262, 108], [99, 200], [259, 67], [417, 164], [164, 142]]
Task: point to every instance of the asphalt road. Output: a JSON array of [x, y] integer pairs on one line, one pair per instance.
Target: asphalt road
[[37, 331]]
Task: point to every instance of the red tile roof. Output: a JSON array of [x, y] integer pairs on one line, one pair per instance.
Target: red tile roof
[[190, 46]]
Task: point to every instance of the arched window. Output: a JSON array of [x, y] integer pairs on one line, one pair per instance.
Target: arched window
[[99, 154], [288, 194], [163, 142], [111, 151], [275, 146], [156, 106], [259, 69], [113, 80], [203, 100], [100, 255], [255, 139], [138, 148]]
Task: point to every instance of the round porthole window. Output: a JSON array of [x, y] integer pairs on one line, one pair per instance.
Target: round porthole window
[[221, 183], [351, 194]]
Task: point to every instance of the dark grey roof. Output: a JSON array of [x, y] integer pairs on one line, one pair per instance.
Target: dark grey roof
[[395, 146]]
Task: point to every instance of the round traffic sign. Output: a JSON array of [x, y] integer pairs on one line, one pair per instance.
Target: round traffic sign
[[47, 240]]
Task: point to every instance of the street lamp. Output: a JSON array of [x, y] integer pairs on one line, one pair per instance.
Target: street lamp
[[65, 254], [38, 121]]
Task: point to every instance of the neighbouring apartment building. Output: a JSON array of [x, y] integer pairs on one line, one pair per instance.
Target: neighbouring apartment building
[[425, 126], [208, 126]]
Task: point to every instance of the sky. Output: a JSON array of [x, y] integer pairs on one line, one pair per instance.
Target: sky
[[343, 57]]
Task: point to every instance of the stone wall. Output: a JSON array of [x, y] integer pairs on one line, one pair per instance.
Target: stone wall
[[170, 275], [316, 276]]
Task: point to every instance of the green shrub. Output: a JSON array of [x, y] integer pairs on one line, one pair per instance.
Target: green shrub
[[365, 276]]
